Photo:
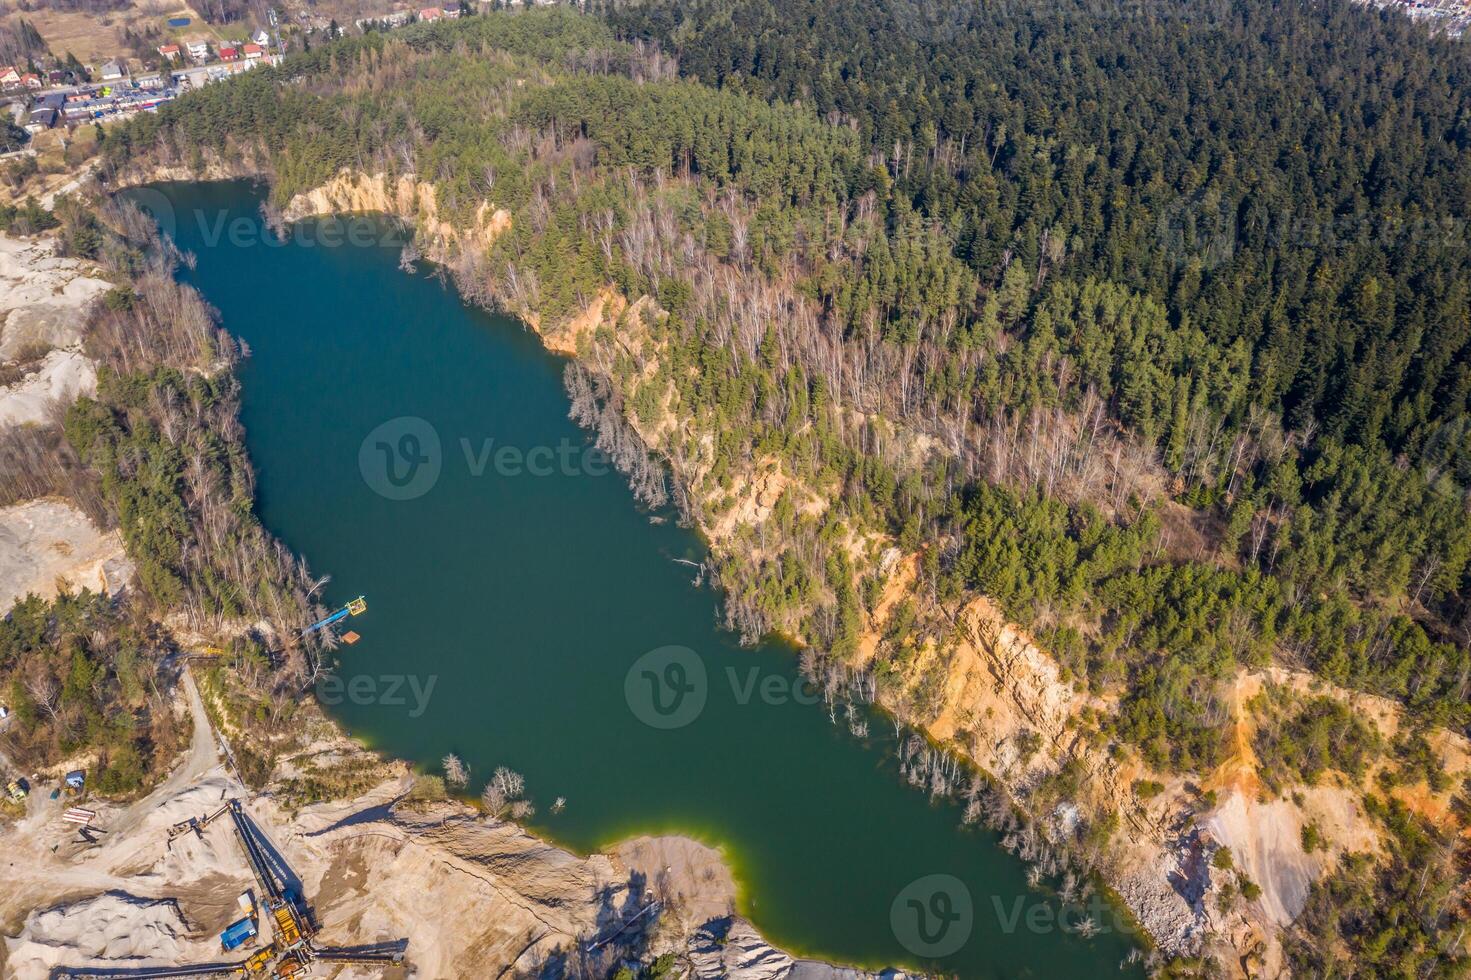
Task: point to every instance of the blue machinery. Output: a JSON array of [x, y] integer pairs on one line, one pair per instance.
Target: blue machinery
[[292, 948], [356, 607]]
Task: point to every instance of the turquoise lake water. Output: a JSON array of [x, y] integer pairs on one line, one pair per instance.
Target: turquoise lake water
[[534, 617]]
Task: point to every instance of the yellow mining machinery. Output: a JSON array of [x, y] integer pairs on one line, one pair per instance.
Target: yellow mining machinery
[[291, 950]]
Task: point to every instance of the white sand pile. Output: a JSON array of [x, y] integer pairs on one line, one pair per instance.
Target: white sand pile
[[694, 878], [501, 896], [110, 927], [42, 297], [63, 377], [46, 541], [1266, 844]]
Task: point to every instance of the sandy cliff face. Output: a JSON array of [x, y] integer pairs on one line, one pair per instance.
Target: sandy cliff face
[[43, 305], [46, 545], [405, 197], [43, 295], [998, 686], [998, 683]]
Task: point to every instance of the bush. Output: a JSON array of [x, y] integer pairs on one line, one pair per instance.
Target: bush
[[1312, 838]]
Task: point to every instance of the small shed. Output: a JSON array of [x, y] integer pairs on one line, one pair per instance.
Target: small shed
[[237, 934]]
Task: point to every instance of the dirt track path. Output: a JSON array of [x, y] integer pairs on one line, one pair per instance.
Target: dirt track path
[[42, 858], [203, 756]]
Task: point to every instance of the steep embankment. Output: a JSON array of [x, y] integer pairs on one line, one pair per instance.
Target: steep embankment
[[983, 688], [406, 197]]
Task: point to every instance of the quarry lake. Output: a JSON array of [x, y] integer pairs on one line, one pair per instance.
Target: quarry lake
[[525, 612]]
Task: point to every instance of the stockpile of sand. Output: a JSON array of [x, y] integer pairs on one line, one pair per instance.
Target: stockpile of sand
[[473, 897], [62, 377], [113, 927], [1266, 844], [42, 296], [47, 542]]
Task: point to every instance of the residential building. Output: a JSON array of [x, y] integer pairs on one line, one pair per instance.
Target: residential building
[[110, 71], [229, 54], [42, 119], [251, 51], [198, 49], [169, 51]]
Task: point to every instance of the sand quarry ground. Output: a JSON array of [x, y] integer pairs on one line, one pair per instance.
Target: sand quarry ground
[[473, 897], [48, 544]]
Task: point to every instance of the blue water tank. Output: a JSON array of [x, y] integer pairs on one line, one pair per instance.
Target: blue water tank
[[235, 935]]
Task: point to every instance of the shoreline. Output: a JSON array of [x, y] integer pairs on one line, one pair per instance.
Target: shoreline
[[96, 905], [437, 249]]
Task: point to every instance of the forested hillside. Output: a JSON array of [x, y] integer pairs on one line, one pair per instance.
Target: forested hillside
[[156, 453], [1244, 227], [1287, 179], [1064, 216], [1154, 329]]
